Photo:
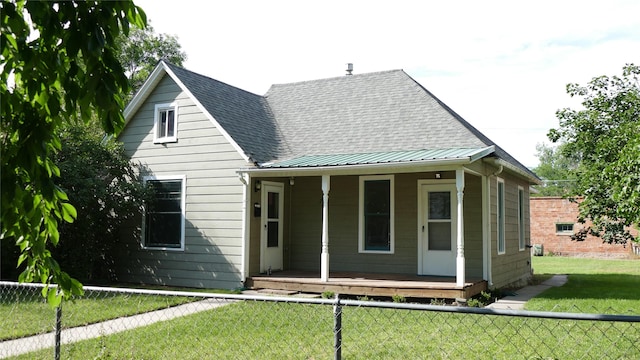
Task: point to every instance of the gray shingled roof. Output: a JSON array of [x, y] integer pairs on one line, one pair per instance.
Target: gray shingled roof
[[244, 115], [374, 112], [367, 113]]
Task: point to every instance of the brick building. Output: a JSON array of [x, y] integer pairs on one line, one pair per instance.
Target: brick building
[[555, 219]]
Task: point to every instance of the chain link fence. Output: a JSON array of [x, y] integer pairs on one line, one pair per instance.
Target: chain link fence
[[112, 323]]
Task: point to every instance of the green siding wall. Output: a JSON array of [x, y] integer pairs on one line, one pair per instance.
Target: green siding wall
[[512, 268], [213, 232], [306, 226]]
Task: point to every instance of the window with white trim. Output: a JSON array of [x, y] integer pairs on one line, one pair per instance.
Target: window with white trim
[[521, 239], [376, 220], [500, 217], [163, 226], [165, 123], [564, 228]]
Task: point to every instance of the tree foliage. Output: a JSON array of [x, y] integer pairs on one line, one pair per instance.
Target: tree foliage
[[59, 65], [104, 186], [556, 170], [605, 138], [142, 49]]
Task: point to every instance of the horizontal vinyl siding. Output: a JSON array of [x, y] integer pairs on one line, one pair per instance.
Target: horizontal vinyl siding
[[514, 266], [306, 226], [306, 223], [473, 226], [212, 256]]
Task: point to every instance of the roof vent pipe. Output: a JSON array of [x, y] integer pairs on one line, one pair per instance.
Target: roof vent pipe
[[349, 69]]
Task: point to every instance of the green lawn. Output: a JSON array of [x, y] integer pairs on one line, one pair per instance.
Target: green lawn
[[27, 313], [260, 330], [568, 265], [594, 286], [256, 330]]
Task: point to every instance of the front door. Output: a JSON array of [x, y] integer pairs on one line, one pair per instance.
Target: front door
[[272, 227], [438, 229]]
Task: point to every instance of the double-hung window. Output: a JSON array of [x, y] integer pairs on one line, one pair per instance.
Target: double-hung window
[[165, 123], [376, 214], [163, 226], [501, 217]]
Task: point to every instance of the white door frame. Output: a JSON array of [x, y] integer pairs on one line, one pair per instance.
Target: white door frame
[[436, 185], [271, 258]]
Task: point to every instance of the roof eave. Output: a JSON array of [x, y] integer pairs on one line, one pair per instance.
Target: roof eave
[[482, 153], [144, 91], [343, 169], [532, 179]]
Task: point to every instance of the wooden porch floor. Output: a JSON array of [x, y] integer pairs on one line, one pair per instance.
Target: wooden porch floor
[[369, 284]]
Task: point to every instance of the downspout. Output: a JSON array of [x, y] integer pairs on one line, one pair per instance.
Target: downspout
[[488, 222]]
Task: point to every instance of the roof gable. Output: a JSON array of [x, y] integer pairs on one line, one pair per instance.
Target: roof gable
[[242, 117]]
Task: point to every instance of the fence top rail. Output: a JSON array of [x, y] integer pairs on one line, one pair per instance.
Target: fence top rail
[[354, 303]]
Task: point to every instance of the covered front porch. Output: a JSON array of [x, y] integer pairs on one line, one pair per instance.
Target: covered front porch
[[410, 230], [369, 284]]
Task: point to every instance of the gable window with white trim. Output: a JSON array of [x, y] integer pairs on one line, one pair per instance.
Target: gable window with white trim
[[376, 214], [521, 238], [500, 217], [165, 123], [163, 225]]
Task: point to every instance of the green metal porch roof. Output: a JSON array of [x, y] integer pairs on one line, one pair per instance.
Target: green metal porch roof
[[471, 154]]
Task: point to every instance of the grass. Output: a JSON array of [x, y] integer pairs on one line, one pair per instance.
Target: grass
[[257, 330], [260, 330], [594, 286], [568, 265], [27, 313]]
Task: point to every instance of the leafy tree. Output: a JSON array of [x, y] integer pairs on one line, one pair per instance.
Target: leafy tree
[[605, 137], [59, 65], [106, 189], [142, 49], [556, 170]]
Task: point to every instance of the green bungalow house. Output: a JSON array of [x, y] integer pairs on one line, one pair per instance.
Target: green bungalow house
[[360, 184]]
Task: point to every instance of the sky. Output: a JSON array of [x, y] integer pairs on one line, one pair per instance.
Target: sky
[[502, 65]]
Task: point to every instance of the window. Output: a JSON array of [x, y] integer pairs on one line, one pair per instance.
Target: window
[[500, 217], [564, 229], [376, 226], [521, 218], [163, 226], [440, 222], [165, 123]]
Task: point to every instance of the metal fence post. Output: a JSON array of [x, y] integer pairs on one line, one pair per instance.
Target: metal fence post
[[337, 330], [58, 330]]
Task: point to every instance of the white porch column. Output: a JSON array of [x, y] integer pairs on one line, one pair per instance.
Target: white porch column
[[460, 264], [245, 179], [324, 256]]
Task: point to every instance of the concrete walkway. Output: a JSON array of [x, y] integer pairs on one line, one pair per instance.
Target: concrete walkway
[[38, 342], [517, 301]]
